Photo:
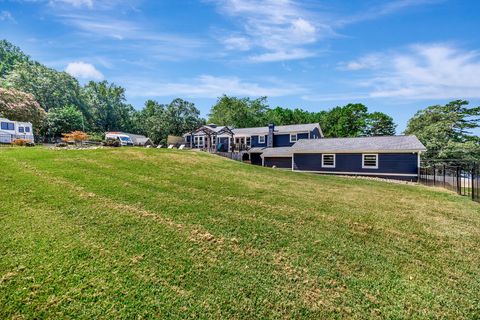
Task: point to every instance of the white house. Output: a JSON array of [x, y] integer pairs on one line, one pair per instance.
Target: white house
[[11, 130]]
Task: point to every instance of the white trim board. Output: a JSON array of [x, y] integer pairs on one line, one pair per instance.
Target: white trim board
[[279, 156], [361, 173]]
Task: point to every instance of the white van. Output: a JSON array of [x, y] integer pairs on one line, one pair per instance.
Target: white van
[[124, 139]]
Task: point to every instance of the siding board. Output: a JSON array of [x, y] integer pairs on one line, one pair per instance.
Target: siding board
[[279, 162], [395, 163]]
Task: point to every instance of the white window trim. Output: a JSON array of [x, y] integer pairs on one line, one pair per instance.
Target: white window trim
[[334, 160], [363, 160], [296, 137], [264, 140]]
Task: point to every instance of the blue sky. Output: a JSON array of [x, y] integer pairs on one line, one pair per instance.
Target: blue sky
[[394, 56]]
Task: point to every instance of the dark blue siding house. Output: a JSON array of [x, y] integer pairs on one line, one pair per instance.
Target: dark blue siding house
[[395, 157], [253, 140], [303, 148]]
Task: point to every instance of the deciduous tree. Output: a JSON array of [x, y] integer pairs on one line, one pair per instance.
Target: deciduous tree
[[9, 56], [20, 106], [239, 112], [51, 88], [446, 131], [379, 124], [59, 121]]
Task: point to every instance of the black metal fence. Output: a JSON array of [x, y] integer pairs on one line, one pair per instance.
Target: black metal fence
[[463, 179]]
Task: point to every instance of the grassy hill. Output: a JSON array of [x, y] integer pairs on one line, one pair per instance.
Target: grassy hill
[[127, 233]]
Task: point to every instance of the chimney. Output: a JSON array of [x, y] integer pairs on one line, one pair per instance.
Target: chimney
[[271, 128]]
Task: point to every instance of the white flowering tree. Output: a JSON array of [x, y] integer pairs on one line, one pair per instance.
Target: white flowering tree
[[20, 106]]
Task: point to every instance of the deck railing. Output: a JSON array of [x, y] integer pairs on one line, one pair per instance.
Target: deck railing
[[234, 147]]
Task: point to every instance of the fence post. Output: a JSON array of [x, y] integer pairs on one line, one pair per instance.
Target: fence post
[[434, 176], [472, 181], [444, 175], [459, 187]]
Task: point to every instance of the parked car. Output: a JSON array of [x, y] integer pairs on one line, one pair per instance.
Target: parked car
[[124, 139]]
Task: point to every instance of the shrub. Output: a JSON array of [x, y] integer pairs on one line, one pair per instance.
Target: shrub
[[96, 137], [75, 137], [23, 143], [111, 143]]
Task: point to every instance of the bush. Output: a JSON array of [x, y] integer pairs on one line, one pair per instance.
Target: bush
[[75, 137], [22, 143], [96, 137], [111, 143]]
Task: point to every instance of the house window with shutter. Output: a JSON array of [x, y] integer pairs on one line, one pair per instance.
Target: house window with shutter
[[370, 161], [328, 161]]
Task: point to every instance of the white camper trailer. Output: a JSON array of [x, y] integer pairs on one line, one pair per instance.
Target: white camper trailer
[[124, 139], [12, 130]]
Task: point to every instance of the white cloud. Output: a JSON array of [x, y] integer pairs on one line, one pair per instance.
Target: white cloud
[[75, 3], [370, 61], [378, 11], [281, 55], [279, 28], [438, 71], [208, 86], [83, 70], [6, 15], [237, 43]]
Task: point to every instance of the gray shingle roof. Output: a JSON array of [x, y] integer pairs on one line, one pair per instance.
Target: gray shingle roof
[[278, 129], [277, 152], [362, 144], [138, 138], [256, 150]]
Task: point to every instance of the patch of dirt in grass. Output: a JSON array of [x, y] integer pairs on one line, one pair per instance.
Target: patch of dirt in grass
[[202, 236], [8, 276], [315, 293]]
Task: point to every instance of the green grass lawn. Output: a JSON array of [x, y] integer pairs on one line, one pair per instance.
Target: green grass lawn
[[148, 233]]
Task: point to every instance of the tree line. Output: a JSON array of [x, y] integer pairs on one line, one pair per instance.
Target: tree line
[[56, 103], [351, 120]]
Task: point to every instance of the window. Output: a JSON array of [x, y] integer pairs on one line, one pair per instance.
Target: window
[[261, 139], [21, 129], [7, 126], [249, 142], [27, 129], [328, 161], [293, 137], [370, 161], [198, 141]]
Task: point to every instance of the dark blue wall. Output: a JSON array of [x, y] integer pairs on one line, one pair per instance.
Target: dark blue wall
[[405, 163], [302, 136], [283, 140], [279, 162], [280, 140], [255, 159], [255, 143], [315, 133]]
